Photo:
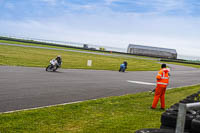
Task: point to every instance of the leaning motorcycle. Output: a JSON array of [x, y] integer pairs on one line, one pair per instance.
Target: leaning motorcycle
[[53, 66]]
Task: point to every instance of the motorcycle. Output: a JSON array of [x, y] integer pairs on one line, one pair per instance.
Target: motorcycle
[[53, 66]]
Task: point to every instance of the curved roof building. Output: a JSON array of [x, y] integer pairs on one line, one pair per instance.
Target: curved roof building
[[152, 51]]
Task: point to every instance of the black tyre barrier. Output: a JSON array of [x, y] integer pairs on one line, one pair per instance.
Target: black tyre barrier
[[170, 128], [193, 98], [188, 101], [169, 118], [198, 113], [154, 130], [195, 127], [164, 127], [175, 108]]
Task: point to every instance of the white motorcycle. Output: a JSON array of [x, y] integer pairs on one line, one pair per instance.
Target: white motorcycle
[[53, 66]]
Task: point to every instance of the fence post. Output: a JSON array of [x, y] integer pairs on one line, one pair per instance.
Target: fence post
[[180, 123]]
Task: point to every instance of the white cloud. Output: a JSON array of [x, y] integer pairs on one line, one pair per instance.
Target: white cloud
[[154, 6], [172, 5], [158, 32], [9, 6], [51, 2], [109, 2], [86, 7], [115, 29]]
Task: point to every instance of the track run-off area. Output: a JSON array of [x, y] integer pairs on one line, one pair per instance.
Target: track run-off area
[[30, 87]]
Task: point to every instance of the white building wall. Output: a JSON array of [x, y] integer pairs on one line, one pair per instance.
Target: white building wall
[[152, 51]]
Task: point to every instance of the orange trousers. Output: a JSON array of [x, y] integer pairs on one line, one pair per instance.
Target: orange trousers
[[159, 94]]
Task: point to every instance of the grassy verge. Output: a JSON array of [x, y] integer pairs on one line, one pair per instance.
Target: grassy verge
[[183, 64], [120, 114], [20, 56], [33, 44]]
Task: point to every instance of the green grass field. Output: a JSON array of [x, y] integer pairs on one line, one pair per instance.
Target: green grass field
[[118, 114], [35, 57], [183, 64], [138, 68], [33, 44], [22, 43]]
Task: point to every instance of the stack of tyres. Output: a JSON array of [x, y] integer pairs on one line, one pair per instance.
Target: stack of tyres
[[169, 118], [174, 107], [195, 125], [192, 98]]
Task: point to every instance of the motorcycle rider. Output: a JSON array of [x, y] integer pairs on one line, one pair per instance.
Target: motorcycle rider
[[122, 68], [54, 64], [59, 61], [126, 64]]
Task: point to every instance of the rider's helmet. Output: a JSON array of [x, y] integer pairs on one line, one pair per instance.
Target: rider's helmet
[[58, 57]]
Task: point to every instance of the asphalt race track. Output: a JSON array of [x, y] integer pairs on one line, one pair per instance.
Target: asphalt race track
[[29, 87]]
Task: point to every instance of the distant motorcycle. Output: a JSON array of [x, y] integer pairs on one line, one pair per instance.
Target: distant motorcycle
[[53, 66]]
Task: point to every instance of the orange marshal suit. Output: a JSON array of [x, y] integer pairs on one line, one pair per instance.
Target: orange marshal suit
[[162, 82]]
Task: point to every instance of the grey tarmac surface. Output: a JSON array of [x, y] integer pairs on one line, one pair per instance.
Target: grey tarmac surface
[[29, 87]]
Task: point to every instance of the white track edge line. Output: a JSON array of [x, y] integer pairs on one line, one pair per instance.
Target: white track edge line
[[140, 82], [44, 107]]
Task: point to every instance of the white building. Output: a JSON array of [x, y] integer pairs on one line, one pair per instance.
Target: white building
[[152, 51]]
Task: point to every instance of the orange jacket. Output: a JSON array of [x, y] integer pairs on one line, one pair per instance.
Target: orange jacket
[[163, 77]]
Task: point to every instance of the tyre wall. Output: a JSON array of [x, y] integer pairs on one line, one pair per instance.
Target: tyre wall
[[169, 117]]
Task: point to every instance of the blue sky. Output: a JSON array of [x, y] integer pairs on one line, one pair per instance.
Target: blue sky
[[114, 23]]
